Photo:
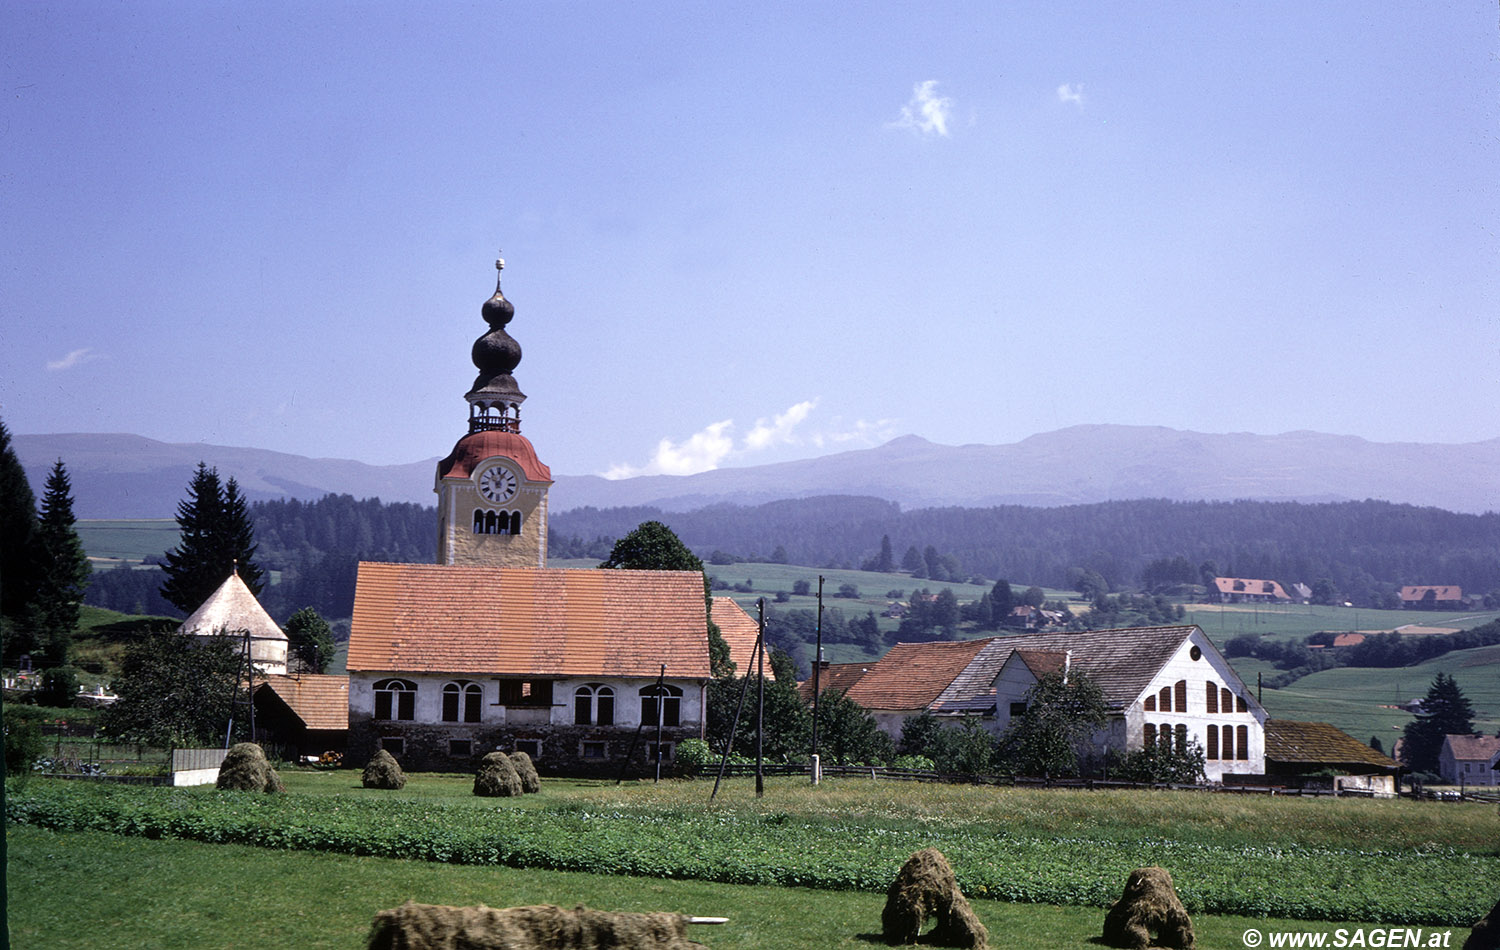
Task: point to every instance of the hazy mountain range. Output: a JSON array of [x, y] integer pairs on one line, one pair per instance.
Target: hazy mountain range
[[128, 476]]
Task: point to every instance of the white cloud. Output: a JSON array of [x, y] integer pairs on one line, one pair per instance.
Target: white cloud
[[927, 112], [779, 430], [700, 452], [75, 358], [714, 444], [1069, 93]]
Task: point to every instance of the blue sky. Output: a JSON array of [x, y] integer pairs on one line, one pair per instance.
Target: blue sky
[[738, 233]]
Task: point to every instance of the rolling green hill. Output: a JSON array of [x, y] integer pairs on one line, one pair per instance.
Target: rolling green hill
[[1356, 699]]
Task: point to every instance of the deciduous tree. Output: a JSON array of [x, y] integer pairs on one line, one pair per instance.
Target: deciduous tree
[[310, 639], [1062, 714], [175, 689]]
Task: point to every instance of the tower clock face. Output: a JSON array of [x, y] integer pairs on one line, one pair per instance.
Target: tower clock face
[[498, 484]]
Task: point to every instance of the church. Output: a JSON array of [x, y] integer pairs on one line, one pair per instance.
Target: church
[[489, 649]]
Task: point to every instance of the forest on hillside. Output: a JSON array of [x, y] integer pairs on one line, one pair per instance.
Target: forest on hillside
[[1364, 550]]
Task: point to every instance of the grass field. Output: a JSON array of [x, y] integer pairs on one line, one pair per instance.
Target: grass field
[[83, 888], [128, 539], [1351, 697]]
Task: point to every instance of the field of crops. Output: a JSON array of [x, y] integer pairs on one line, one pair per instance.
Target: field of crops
[[1392, 862]]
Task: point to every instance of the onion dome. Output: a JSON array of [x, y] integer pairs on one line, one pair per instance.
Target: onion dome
[[495, 400]]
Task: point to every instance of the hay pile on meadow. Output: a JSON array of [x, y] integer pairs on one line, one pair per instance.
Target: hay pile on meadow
[[383, 771], [497, 777], [925, 887], [544, 927], [1486, 932], [1149, 914], [526, 771], [245, 769]]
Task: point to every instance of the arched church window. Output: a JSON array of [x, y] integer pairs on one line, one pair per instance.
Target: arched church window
[[594, 704], [395, 699], [462, 701], [665, 701]]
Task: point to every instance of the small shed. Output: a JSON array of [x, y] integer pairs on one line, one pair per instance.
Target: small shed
[[1313, 754], [306, 714]]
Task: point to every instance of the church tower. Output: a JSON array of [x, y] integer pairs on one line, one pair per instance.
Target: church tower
[[492, 488]]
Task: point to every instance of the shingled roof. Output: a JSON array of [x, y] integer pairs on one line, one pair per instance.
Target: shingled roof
[[321, 702], [527, 622], [1121, 661], [1317, 743]]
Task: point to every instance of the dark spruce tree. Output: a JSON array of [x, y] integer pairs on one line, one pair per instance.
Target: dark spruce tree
[[17, 539], [62, 570], [217, 538], [1445, 712]]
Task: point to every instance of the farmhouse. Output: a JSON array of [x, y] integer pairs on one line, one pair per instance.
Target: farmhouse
[[1432, 597], [233, 610], [488, 649], [1246, 590], [1163, 685], [1469, 760]]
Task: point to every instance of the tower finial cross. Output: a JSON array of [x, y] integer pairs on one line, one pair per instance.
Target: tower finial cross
[[499, 261]]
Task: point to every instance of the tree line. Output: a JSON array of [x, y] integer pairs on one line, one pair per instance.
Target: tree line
[[1364, 550]]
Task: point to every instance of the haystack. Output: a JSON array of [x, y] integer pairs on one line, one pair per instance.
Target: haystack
[[925, 887], [1486, 932], [526, 770], [245, 769], [497, 777], [437, 927], [1149, 914], [383, 771]]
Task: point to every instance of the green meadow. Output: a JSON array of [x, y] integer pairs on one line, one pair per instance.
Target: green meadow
[[323, 864]]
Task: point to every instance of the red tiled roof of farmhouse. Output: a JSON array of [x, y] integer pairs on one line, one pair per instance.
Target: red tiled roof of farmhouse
[[1251, 585], [320, 701], [739, 630], [1439, 592], [519, 621], [912, 675], [839, 676]]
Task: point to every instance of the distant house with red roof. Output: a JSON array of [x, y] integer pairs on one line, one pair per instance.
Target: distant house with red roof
[[1164, 685], [1247, 590], [1469, 760], [1432, 597]]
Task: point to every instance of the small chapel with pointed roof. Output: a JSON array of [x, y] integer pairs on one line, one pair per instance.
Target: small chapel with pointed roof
[[233, 610]]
